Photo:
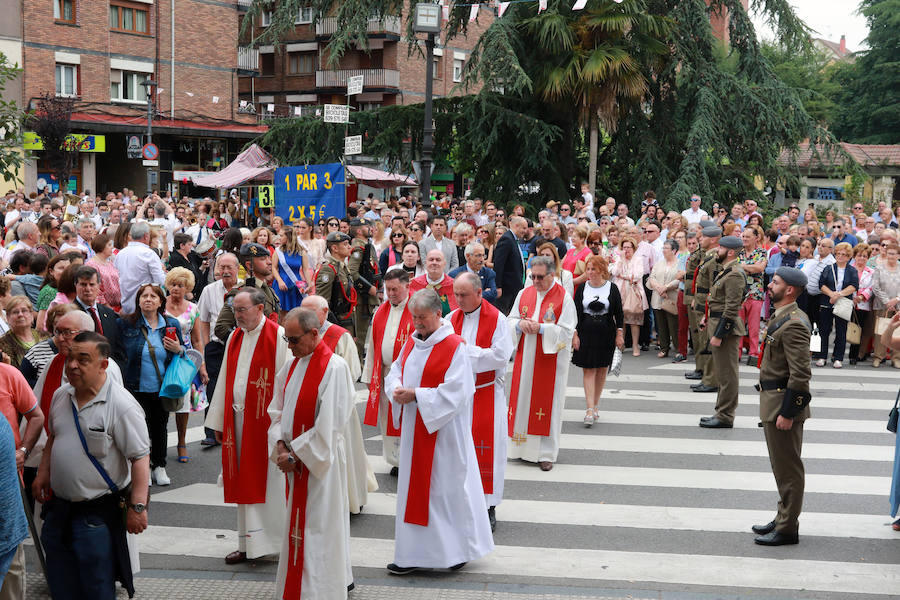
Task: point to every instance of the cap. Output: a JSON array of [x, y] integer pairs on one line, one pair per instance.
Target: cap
[[252, 250], [336, 237], [358, 222], [712, 231], [792, 276], [205, 246], [732, 242], [551, 204], [704, 223]]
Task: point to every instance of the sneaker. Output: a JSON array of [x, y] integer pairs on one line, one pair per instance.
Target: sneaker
[[837, 364], [161, 477], [820, 362]]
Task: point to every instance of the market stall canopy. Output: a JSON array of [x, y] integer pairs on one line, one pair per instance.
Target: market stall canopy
[[379, 179], [252, 163]]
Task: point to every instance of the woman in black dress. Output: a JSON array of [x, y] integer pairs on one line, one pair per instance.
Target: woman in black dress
[[598, 333]]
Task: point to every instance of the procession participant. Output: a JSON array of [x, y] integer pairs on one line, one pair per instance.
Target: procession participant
[[784, 374], [333, 281], [725, 328], [85, 485], [360, 475], [309, 414], [703, 279], [690, 270], [441, 518], [435, 278], [363, 267], [237, 414], [543, 320], [258, 263], [391, 327], [489, 346]]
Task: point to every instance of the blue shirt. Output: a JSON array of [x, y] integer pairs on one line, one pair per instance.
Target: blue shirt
[[13, 526], [149, 381]]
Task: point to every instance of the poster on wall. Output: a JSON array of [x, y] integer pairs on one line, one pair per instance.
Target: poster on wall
[[313, 191], [48, 183]]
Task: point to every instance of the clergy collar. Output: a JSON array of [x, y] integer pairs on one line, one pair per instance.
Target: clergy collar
[[259, 326], [473, 312], [324, 327], [431, 281], [400, 306]]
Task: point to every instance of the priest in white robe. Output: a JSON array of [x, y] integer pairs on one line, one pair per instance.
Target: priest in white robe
[[543, 322], [489, 346], [360, 474], [309, 414], [391, 327], [441, 517], [254, 353]]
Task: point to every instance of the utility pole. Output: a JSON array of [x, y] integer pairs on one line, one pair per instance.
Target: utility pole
[[149, 85], [427, 20]]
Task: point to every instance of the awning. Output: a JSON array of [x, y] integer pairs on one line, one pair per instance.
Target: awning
[[252, 163], [379, 179]]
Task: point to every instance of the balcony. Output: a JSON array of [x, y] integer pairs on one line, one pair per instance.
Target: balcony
[[389, 26], [248, 60], [372, 78], [243, 5]]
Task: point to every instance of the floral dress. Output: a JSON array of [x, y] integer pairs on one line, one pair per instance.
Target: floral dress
[[195, 399], [757, 288]]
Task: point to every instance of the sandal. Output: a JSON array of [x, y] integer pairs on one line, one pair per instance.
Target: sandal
[[589, 418], [183, 456], [662, 355]]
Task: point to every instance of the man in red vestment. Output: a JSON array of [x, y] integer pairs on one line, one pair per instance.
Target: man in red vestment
[[436, 279]]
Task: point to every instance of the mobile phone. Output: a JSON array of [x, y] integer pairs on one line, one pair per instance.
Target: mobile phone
[[170, 333]]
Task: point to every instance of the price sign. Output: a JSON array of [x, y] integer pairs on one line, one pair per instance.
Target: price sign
[[337, 113], [267, 196], [353, 144], [355, 85]]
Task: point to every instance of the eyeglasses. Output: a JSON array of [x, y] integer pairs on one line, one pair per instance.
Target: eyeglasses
[[414, 229], [333, 223], [66, 333], [396, 235], [243, 309], [537, 277], [292, 339]]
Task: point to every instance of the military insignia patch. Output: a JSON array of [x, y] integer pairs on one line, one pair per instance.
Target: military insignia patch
[[325, 278], [356, 254]]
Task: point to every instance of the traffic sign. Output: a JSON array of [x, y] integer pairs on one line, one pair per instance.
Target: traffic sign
[[353, 144], [150, 152], [337, 113], [151, 163], [355, 85], [133, 144], [267, 196]]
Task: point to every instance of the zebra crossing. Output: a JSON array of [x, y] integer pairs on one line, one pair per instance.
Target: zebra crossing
[[646, 500]]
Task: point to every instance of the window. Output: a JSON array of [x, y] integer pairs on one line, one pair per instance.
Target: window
[[267, 64], [125, 86], [457, 70], [304, 15], [436, 67], [66, 80], [265, 18], [124, 16], [301, 63], [64, 10]]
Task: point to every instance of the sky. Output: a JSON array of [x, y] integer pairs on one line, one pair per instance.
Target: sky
[[829, 19]]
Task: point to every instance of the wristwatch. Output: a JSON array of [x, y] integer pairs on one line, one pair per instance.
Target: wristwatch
[[25, 451], [138, 507], [291, 459]]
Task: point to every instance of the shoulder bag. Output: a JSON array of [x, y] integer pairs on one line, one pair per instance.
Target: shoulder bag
[[168, 404], [893, 416], [854, 331], [843, 308]]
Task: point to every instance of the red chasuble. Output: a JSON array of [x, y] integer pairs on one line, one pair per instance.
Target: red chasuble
[[245, 476], [332, 335], [304, 419], [483, 407], [544, 376], [444, 291], [404, 330], [51, 384], [419, 491]]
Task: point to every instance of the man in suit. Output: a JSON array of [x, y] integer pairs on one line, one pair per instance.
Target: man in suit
[[87, 288], [475, 256], [509, 264], [183, 255], [439, 241], [784, 374]]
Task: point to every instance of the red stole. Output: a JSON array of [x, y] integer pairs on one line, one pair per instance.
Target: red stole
[[404, 330], [419, 491], [304, 419], [51, 384], [245, 476], [544, 374], [332, 335], [445, 291], [483, 405]]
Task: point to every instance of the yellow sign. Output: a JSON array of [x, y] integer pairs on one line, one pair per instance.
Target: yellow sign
[[82, 142], [267, 196]]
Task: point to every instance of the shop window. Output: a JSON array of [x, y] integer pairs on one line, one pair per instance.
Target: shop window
[[125, 86], [132, 18], [66, 80], [301, 63], [64, 10]]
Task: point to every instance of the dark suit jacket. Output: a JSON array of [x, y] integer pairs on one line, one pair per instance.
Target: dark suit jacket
[[488, 281], [108, 320], [191, 263], [851, 277], [508, 266]]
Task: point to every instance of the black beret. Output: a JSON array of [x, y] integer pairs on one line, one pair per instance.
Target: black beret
[[253, 249]]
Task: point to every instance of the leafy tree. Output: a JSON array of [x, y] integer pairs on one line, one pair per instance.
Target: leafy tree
[[811, 75], [11, 155], [52, 122]]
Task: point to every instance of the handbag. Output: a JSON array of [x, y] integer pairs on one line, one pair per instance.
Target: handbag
[[670, 305], [169, 404], [815, 342], [632, 303], [892, 417], [616, 366], [843, 308], [881, 323], [179, 376], [854, 331]]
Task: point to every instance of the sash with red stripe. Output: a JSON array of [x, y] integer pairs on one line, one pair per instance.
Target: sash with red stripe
[[304, 419], [483, 405], [245, 476], [419, 490], [52, 382], [404, 330], [332, 335], [544, 373]]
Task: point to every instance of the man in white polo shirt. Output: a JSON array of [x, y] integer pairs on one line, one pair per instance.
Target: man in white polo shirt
[[694, 214]]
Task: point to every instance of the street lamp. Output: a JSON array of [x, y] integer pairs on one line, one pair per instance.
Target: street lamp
[[148, 85], [427, 20]]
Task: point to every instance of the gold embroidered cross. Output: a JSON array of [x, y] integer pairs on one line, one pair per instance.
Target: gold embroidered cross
[[540, 413], [261, 384], [519, 439], [228, 444], [296, 536]]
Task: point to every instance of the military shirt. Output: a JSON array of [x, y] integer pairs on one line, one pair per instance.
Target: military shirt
[[690, 266], [726, 296], [785, 358], [226, 323], [325, 284], [363, 263], [709, 266]]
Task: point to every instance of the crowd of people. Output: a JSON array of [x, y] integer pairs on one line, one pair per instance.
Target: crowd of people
[[101, 296]]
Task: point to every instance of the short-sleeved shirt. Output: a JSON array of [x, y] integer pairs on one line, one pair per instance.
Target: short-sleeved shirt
[[115, 432], [757, 287], [16, 397], [212, 299], [151, 382], [45, 297]]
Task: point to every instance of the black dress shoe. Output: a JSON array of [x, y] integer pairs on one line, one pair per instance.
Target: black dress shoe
[[694, 375], [492, 518], [645, 348], [853, 361], [457, 567], [704, 389], [394, 569], [715, 423], [351, 587], [764, 529], [394, 471], [775, 538], [752, 361], [706, 418]]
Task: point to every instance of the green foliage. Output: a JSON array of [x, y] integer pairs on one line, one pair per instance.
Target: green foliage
[[11, 155], [810, 75], [52, 122]]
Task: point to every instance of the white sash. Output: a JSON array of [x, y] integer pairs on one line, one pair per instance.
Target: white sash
[[286, 268]]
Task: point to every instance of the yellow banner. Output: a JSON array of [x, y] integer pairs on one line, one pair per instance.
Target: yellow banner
[[82, 142]]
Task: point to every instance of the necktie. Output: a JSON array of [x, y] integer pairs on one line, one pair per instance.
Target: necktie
[[97, 325]]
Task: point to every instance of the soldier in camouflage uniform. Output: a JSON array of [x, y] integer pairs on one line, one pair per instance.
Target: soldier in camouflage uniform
[[706, 272], [334, 284], [363, 266], [258, 263]]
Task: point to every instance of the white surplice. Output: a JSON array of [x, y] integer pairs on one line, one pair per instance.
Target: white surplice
[[557, 339], [495, 358], [322, 450], [458, 529], [390, 444], [259, 525], [360, 474]]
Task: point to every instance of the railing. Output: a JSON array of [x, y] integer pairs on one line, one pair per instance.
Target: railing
[[244, 4], [248, 58], [328, 26], [379, 78]]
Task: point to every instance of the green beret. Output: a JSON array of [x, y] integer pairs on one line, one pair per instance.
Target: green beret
[[792, 276], [732, 242], [712, 231]]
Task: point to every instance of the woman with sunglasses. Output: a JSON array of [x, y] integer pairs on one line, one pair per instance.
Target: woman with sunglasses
[[50, 231], [416, 232], [393, 254]]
